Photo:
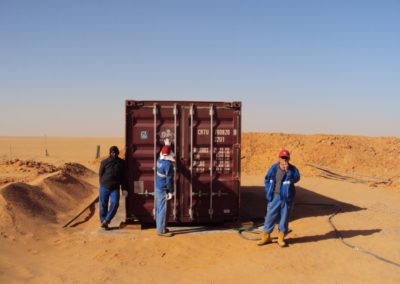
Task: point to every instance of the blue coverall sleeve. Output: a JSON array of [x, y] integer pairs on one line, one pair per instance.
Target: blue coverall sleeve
[[268, 177], [296, 175]]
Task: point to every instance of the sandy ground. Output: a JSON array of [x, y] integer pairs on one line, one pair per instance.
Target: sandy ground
[[39, 197]]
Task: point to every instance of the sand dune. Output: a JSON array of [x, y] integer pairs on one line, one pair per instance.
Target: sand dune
[[45, 200]]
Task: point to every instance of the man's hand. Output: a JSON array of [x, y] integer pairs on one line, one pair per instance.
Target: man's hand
[[125, 193], [168, 196]]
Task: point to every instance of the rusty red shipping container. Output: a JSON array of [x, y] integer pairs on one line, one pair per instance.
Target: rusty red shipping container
[[206, 139]]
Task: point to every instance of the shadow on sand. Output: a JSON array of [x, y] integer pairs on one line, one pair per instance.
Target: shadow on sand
[[92, 210], [307, 204], [253, 204]]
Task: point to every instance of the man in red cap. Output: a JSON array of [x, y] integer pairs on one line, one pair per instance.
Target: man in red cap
[[280, 190], [164, 189]]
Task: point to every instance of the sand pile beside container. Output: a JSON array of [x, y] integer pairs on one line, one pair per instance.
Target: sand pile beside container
[[46, 201]]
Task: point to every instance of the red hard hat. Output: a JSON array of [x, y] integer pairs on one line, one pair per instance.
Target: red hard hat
[[165, 150], [283, 153]]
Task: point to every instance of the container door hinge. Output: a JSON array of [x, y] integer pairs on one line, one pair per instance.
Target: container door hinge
[[219, 193], [146, 193], [191, 213], [200, 193], [211, 212]]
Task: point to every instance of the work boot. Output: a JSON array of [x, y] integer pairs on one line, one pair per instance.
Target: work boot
[[165, 234], [104, 225], [281, 240], [265, 239]]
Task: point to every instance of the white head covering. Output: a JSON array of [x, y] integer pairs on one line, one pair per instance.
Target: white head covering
[[169, 157], [167, 142]]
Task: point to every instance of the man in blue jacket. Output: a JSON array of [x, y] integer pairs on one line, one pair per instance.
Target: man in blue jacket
[[280, 191], [164, 189]]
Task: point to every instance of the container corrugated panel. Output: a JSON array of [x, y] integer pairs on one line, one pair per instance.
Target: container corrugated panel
[[205, 137]]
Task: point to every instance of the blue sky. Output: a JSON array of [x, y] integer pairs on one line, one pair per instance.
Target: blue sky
[[66, 67]]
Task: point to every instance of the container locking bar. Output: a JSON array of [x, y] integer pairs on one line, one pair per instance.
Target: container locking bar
[[155, 157], [211, 211], [175, 111], [191, 163]]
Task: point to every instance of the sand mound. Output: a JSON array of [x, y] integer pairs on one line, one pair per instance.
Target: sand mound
[[66, 191], [17, 170], [373, 156], [6, 218], [79, 170], [29, 201], [47, 200]]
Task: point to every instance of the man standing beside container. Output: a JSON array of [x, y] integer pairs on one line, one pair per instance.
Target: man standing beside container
[[280, 191], [112, 177], [164, 189]]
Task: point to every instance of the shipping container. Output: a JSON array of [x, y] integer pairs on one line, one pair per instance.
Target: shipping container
[[205, 138]]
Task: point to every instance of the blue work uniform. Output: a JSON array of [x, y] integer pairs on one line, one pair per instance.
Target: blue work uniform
[[164, 185], [279, 204]]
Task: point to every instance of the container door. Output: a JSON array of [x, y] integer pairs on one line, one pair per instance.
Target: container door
[[211, 160], [148, 126]]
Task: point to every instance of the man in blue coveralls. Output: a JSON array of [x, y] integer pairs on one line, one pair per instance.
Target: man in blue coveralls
[[280, 191], [164, 189]]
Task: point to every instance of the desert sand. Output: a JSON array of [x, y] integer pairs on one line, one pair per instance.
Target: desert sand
[[39, 194]]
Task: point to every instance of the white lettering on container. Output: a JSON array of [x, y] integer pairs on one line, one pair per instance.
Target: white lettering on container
[[223, 132], [219, 139], [203, 131], [203, 150]]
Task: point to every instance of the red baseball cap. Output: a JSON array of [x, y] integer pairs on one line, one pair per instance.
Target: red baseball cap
[[165, 150], [283, 153]]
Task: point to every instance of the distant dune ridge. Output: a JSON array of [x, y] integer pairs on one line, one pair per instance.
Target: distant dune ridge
[[374, 156]]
